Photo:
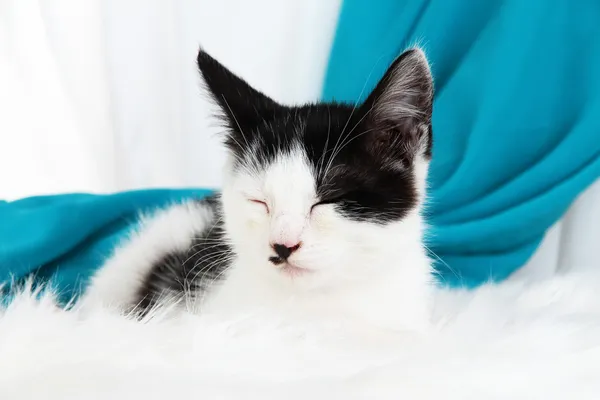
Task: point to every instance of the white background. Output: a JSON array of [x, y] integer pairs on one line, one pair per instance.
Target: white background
[[103, 95]]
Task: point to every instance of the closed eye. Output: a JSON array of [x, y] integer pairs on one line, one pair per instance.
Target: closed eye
[[330, 200], [264, 204]]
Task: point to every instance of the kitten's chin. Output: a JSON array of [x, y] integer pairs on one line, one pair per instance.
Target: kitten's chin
[[293, 271], [292, 277]]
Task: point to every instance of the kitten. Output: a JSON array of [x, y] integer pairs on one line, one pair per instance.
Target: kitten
[[320, 211]]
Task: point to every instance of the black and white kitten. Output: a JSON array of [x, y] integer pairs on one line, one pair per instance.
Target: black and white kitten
[[320, 211]]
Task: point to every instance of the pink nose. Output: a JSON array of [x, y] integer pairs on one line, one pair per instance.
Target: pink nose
[[289, 242]]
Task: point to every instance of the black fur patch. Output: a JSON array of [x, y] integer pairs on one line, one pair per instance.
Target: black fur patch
[[363, 156], [191, 271]]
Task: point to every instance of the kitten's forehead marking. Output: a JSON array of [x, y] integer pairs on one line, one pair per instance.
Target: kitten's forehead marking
[[289, 182]]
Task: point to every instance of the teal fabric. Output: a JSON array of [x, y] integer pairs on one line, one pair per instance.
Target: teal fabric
[[516, 115], [65, 238], [516, 123]]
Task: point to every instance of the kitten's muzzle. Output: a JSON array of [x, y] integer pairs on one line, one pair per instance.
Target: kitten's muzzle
[[283, 252]]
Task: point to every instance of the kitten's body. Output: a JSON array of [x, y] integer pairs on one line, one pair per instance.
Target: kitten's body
[[320, 213]]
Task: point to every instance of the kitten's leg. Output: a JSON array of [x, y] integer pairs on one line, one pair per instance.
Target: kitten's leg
[[159, 258]]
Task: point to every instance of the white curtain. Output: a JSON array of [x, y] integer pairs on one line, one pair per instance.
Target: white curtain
[[572, 244], [56, 129], [103, 95]]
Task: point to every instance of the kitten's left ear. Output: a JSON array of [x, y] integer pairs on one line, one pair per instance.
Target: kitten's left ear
[[400, 108], [242, 106]]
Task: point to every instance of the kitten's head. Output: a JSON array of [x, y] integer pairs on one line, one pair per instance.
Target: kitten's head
[[323, 193]]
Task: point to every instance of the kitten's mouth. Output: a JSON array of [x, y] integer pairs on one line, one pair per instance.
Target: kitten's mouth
[[287, 267]]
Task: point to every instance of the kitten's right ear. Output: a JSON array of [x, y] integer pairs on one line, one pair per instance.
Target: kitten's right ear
[[400, 108], [243, 107]]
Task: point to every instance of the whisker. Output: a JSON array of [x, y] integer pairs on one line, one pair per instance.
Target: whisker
[[200, 251], [353, 109], [215, 260], [236, 121], [322, 158], [452, 270]]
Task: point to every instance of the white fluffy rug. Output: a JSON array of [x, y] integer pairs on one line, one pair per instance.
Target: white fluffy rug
[[513, 341]]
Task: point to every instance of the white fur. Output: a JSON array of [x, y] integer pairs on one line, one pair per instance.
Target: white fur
[[116, 283], [377, 274], [513, 341], [363, 322]]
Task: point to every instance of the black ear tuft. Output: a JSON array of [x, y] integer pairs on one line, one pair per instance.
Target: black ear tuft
[[400, 108], [243, 107]]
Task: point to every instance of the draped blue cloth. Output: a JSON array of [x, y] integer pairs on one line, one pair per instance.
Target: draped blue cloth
[[516, 125], [65, 238], [516, 117]]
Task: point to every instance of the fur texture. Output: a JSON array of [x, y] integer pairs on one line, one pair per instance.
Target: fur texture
[[311, 277], [515, 340], [319, 215]]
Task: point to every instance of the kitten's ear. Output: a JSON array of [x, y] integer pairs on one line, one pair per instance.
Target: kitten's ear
[[400, 108], [242, 106]]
